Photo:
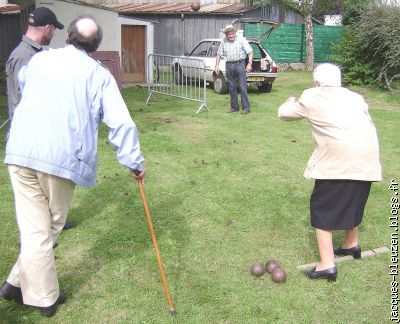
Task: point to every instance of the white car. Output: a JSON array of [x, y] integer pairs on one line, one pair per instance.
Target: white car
[[264, 70]]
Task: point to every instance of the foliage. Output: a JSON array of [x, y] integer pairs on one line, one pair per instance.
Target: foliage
[[370, 49], [349, 55], [380, 29]]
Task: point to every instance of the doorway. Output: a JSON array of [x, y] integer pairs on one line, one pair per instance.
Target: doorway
[[133, 44]]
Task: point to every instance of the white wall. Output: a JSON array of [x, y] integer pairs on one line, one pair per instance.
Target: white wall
[[66, 12], [109, 21]]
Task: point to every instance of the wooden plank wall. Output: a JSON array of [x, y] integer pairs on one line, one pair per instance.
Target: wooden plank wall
[[10, 35]]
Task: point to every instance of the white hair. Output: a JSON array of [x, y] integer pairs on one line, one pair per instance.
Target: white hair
[[328, 75]]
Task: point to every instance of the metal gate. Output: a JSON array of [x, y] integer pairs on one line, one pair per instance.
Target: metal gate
[[177, 76]]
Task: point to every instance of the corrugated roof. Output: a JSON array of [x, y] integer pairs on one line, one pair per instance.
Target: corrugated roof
[[171, 8], [9, 9]]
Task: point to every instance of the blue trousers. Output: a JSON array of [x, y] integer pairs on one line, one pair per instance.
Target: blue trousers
[[236, 74]]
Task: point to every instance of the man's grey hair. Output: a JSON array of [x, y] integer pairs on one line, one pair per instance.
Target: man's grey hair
[[328, 75]]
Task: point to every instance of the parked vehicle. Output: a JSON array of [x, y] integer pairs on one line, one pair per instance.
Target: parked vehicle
[[264, 70]]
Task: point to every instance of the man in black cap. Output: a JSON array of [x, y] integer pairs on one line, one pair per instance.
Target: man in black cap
[[42, 25]]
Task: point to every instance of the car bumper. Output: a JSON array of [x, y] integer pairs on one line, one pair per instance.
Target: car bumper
[[261, 77]]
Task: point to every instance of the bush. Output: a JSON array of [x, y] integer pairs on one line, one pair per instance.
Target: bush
[[369, 52], [380, 30], [351, 58]]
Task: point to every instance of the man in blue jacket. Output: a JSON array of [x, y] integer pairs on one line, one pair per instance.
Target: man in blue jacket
[[52, 147], [42, 23]]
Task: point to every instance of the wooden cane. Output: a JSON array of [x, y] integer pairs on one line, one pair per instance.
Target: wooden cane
[[153, 237]]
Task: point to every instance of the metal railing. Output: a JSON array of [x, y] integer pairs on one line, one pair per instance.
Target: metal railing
[[178, 77]]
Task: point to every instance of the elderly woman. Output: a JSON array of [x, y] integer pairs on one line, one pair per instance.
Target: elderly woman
[[344, 163]]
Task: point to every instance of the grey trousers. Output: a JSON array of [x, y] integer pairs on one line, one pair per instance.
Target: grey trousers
[[42, 202], [236, 74]]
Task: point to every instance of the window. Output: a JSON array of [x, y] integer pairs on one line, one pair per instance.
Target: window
[[201, 49], [257, 53], [213, 49]]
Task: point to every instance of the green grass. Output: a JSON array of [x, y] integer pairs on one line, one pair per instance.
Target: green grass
[[224, 191]]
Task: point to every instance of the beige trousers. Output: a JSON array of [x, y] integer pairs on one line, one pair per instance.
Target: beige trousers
[[42, 202]]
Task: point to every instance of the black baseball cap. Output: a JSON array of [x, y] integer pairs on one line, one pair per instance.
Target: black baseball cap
[[43, 16]]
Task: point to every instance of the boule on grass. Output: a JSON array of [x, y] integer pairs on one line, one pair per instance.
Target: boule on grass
[[271, 265], [278, 275], [257, 269]]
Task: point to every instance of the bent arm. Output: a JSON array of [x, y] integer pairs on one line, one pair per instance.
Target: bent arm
[[291, 109]]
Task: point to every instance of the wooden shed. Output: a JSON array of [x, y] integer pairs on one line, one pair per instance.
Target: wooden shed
[[178, 28], [13, 23]]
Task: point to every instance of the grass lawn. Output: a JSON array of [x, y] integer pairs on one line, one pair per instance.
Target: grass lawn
[[224, 191]]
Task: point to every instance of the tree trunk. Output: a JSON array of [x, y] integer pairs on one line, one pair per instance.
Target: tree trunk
[[309, 63]]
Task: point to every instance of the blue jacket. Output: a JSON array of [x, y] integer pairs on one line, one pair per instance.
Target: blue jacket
[[55, 126]]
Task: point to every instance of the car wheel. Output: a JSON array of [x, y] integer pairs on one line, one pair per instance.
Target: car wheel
[[265, 87], [178, 75], [220, 85]]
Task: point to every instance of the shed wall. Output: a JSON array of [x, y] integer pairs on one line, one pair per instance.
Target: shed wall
[[176, 34], [10, 35], [66, 12]]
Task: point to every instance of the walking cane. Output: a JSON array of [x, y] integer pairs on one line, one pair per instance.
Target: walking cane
[[5, 123], [153, 237]]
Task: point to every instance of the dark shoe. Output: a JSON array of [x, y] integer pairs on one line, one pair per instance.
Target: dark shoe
[[51, 310], [329, 274], [10, 292], [354, 251], [232, 110], [245, 111], [68, 226]]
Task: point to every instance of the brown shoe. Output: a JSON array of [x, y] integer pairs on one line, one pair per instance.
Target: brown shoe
[[245, 111], [232, 110]]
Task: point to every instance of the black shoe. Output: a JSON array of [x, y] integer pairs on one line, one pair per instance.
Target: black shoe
[[232, 110], [10, 292], [51, 310], [354, 251], [245, 111], [68, 226], [329, 274]]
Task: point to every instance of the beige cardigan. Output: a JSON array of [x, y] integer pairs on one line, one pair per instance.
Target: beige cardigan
[[344, 135]]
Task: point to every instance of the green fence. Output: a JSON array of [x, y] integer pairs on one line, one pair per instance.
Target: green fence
[[288, 42]]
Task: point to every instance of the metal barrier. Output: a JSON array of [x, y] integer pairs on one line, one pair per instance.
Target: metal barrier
[[176, 76]]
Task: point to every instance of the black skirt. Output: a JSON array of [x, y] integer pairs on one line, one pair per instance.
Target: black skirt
[[338, 204]]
